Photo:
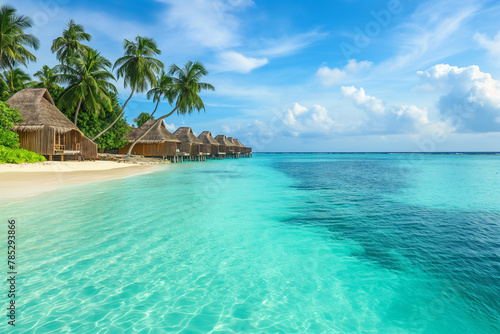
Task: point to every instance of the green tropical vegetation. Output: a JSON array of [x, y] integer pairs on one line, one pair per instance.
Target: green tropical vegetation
[[142, 118], [163, 89], [9, 140], [184, 88], [82, 85], [14, 41], [88, 78], [138, 68], [9, 117], [91, 123], [69, 44], [17, 156], [48, 78], [14, 80]]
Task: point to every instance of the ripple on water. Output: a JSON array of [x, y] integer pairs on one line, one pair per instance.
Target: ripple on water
[[275, 244]]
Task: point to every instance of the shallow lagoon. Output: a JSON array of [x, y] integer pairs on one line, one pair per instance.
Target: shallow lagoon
[[282, 243]]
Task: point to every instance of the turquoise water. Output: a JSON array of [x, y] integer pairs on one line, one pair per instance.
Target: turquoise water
[[282, 243]]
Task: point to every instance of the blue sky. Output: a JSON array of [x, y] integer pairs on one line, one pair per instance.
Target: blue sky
[[346, 75]]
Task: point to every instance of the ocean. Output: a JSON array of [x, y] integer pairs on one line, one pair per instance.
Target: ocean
[[279, 243]]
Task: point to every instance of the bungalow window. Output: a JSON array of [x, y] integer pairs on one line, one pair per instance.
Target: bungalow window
[[59, 142]]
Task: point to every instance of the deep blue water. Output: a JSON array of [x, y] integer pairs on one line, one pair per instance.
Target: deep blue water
[[280, 243]]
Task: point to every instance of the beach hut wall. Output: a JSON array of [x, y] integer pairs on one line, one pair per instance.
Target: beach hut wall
[[159, 142], [189, 142], [45, 129]]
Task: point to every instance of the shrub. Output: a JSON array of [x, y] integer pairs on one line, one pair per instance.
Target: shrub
[[9, 117], [17, 156]]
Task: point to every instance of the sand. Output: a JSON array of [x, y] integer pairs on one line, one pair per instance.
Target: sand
[[24, 180]]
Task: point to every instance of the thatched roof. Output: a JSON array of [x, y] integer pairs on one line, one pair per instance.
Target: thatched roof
[[158, 134], [206, 138], [230, 140], [186, 135], [221, 139], [238, 143], [38, 110]]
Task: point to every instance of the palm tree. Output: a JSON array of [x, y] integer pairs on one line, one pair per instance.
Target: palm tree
[[88, 77], [14, 80], [142, 118], [48, 78], [164, 89], [13, 39], [186, 86], [138, 67], [69, 43]]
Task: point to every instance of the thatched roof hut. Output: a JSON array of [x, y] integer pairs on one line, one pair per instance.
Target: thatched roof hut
[[225, 145], [244, 149], [45, 129], [236, 148], [189, 142], [238, 143], [159, 142], [210, 145]]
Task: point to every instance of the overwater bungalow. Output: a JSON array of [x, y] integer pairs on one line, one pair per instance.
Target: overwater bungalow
[[236, 149], [190, 144], [225, 145], [210, 146], [46, 130], [245, 151], [159, 142]]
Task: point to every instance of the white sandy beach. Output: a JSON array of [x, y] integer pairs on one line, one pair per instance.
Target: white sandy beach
[[25, 180]]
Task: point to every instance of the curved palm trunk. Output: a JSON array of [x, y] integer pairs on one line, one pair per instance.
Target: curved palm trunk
[[157, 103], [116, 120], [77, 110], [147, 131]]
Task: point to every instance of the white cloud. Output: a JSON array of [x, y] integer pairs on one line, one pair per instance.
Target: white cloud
[[392, 120], [298, 109], [170, 127], [236, 62], [331, 76], [299, 120], [288, 45], [290, 116], [210, 23], [470, 97], [491, 45], [354, 66], [433, 32], [320, 118], [414, 119], [363, 101]]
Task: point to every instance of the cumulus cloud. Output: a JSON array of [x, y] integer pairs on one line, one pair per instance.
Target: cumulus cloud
[[290, 116], [299, 120], [363, 101], [471, 98], [331, 76], [412, 119], [236, 62], [298, 109], [491, 45], [380, 119]]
